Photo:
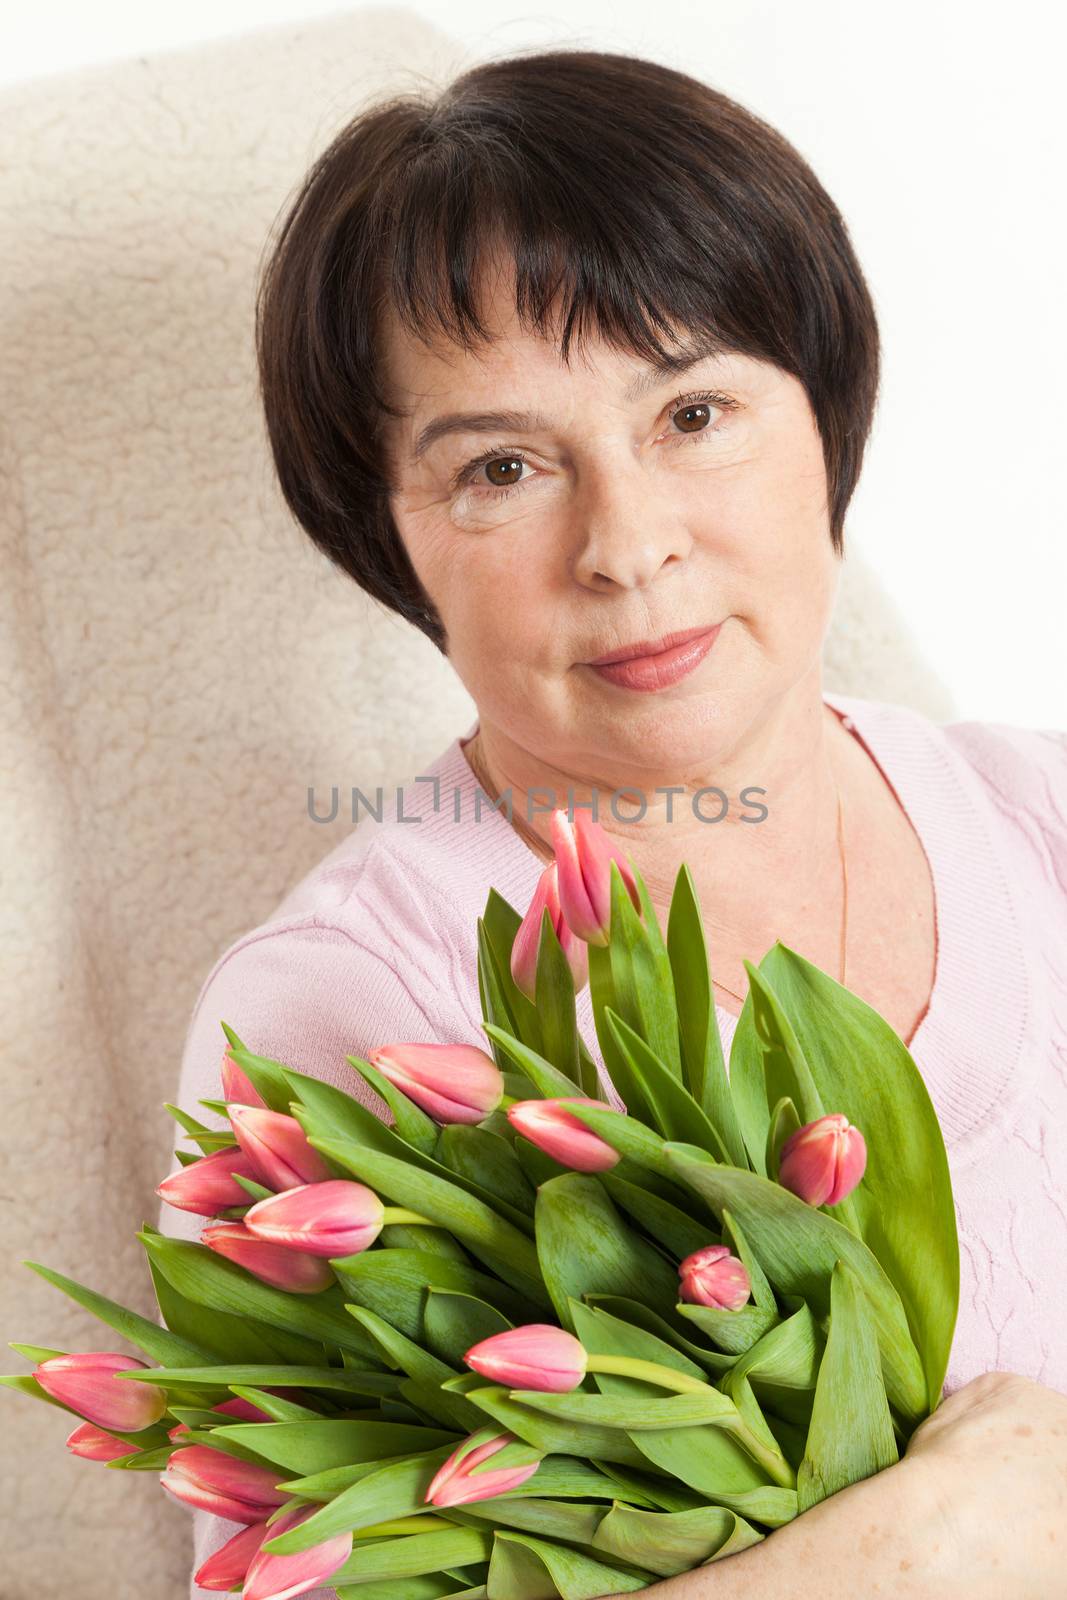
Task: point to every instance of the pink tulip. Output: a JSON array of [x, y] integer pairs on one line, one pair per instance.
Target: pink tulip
[[584, 853], [528, 938], [93, 1444], [277, 1147], [226, 1569], [823, 1161], [335, 1218], [272, 1263], [237, 1085], [277, 1577], [206, 1186], [178, 1429], [212, 1481], [451, 1082], [87, 1384], [537, 1355], [713, 1277], [456, 1482], [548, 1125]]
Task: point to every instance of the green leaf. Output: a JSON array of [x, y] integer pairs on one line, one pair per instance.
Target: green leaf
[[229, 1338], [675, 1542], [306, 1447], [412, 1123], [733, 1331], [632, 975], [672, 1110], [784, 1122], [197, 1131], [397, 1489], [453, 1322], [556, 1011], [586, 1246], [346, 1380], [903, 1206], [675, 1230], [488, 1160], [503, 1002], [394, 1283], [703, 1066], [548, 1080], [545, 1433], [276, 1407], [509, 1252], [797, 1247], [267, 1077], [851, 1434], [208, 1279], [257, 1191], [413, 1554], [157, 1343], [708, 1459], [574, 1576], [631, 1411], [642, 1316]]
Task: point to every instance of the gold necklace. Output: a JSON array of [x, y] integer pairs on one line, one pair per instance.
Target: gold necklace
[[472, 751]]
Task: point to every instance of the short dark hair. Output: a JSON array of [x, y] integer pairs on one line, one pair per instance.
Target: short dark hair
[[644, 198]]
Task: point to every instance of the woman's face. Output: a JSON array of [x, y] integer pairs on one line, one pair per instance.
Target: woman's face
[[611, 516]]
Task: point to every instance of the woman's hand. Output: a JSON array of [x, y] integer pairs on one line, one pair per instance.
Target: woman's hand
[[975, 1510], [986, 1480]]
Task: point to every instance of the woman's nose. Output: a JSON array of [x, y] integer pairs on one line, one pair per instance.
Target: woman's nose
[[627, 532]]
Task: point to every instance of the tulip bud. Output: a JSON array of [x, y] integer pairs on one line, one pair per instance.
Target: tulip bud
[[334, 1218], [237, 1086], [210, 1480], [451, 1082], [278, 1577], [527, 940], [584, 854], [457, 1483], [548, 1125], [226, 1569], [93, 1444], [275, 1264], [87, 1383], [713, 1277], [277, 1147], [175, 1433], [823, 1161], [206, 1186], [537, 1355]]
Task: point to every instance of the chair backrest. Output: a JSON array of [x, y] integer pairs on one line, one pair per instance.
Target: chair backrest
[[177, 666]]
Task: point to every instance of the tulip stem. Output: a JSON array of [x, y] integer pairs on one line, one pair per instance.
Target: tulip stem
[[772, 1461], [402, 1214], [647, 1371]]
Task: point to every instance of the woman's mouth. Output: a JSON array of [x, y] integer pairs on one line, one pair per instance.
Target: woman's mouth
[[658, 670]]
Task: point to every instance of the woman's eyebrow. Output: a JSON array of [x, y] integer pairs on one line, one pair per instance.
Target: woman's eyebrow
[[658, 369]]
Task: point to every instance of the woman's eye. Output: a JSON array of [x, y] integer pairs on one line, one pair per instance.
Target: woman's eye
[[498, 471]]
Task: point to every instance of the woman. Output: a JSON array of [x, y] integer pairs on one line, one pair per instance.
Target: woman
[[569, 361]]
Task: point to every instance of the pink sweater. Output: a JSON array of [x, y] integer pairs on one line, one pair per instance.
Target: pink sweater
[[378, 943]]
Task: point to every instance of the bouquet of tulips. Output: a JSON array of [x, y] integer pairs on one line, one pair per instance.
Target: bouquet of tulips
[[519, 1344]]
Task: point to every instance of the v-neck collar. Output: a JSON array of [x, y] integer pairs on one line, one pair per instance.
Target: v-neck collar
[[969, 1039]]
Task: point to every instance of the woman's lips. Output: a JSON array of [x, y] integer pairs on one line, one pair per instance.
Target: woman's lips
[[649, 673]]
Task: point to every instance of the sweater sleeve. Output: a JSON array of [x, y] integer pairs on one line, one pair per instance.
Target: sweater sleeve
[[306, 994]]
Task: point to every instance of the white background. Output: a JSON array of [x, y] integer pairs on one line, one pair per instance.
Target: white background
[[938, 129]]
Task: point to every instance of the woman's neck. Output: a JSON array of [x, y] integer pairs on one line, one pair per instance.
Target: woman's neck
[[790, 765]]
